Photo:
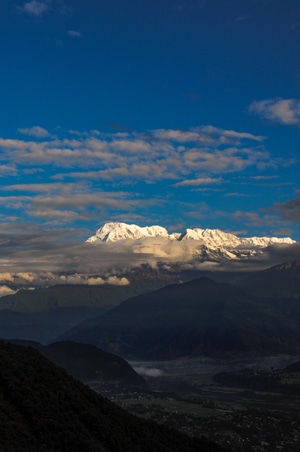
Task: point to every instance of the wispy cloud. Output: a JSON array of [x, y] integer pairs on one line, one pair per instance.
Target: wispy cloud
[[252, 218], [206, 135], [36, 131], [283, 111], [259, 178], [74, 34], [83, 172], [289, 210], [199, 181], [39, 8], [200, 4], [8, 170], [242, 17], [236, 195], [230, 135], [66, 207], [36, 8], [162, 153]]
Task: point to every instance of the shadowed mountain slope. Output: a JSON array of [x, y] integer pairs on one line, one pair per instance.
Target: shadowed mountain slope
[[194, 318], [45, 313], [88, 363], [42, 408], [280, 281]]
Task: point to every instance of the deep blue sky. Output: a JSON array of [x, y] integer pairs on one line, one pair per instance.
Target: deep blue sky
[[178, 113]]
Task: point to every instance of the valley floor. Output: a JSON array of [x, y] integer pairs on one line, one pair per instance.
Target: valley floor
[[249, 406]]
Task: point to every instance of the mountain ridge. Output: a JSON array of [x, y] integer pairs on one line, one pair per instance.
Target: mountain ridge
[[196, 318], [116, 231], [42, 408]]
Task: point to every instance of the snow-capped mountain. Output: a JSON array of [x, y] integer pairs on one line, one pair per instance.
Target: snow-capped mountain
[[112, 232], [124, 249], [211, 238], [192, 246]]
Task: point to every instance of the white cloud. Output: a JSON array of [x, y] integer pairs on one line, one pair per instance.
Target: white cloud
[[26, 280], [5, 290], [242, 17], [38, 8], [199, 181], [85, 164], [113, 280], [74, 34], [181, 136], [35, 8], [151, 157], [230, 136], [66, 188], [283, 111], [36, 131], [8, 170], [205, 135]]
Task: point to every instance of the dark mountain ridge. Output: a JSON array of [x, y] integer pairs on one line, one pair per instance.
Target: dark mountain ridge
[[199, 317], [279, 281], [42, 408], [88, 363], [45, 313], [268, 318]]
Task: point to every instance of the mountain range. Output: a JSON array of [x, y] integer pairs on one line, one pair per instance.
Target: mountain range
[[193, 245], [215, 238], [46, 313], [118, 249], [202, 317]]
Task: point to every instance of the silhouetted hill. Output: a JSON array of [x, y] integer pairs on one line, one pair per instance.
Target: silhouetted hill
[[42, 408], [42, 326], [87, 362], [65, 296], [102, 297], [294, 367], [194, 318], [280, 281], [45, 313]]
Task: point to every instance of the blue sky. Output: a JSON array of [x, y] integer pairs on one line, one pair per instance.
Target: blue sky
[[177, 113]]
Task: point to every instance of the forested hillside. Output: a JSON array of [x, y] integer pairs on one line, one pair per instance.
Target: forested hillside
[[42, 408]]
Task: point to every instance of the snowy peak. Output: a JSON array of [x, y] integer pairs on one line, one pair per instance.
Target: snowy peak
[[211, 238], [113, 232]]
